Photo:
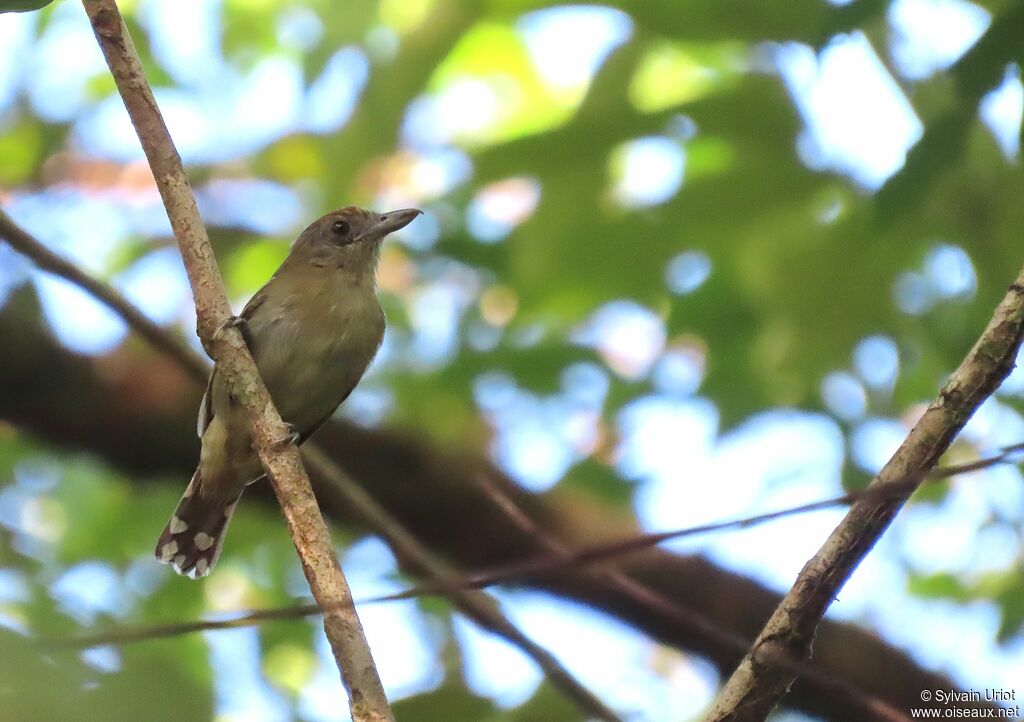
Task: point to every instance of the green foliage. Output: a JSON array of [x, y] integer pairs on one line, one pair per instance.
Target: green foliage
[[22, 6]]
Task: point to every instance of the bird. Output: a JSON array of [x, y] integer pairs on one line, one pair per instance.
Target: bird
[[313, 329]]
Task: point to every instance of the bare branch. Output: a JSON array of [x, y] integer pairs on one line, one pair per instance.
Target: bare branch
[[127, 635], [757, 685], [282, 462]]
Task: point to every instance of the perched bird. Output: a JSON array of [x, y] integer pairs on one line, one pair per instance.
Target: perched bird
[[312, 330]]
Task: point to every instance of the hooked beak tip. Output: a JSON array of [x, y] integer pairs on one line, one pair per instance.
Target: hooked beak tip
[[390, 222]]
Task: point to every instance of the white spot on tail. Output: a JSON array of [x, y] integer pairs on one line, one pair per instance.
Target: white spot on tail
[[179, 561], [168, 551], [204, 541], [202, 568], [176, 526]]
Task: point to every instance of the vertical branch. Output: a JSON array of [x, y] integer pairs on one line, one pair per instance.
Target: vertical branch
[[758, 684], [226, 346]]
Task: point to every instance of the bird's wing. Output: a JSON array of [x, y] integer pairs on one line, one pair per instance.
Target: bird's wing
[[206, 405], [206, 411], [250, 310], [304, 434]]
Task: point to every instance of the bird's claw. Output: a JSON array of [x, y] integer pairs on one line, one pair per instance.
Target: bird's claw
[[232, 322], [292, 437]]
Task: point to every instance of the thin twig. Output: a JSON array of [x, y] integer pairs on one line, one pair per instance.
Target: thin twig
[[605, 551], [562, 559], [281, 461], [474, 604], [127, 635], [651, 599], [757, 685]]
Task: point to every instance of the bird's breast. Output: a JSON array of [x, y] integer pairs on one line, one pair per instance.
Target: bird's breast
[[311, 355]]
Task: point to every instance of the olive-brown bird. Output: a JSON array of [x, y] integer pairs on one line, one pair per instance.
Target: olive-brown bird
[[312, 330]]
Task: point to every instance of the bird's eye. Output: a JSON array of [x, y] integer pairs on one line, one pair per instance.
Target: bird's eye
[[340, 228]]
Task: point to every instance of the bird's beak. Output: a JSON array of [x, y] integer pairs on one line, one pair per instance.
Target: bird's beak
[[388, 223]]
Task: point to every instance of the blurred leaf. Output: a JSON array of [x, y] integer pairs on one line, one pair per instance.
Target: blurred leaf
[[252, 265], [601, 481], [21, 6], [671, 74], [21, 148], [945, 138], [547, 704], [102, 518], [1011, 603], [445, 704], [289, 666], [38, 686], [492, 60], [939, 586]]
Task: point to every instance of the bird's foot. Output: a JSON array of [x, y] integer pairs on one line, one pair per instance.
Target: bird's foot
[[292, 437], [232, 322]]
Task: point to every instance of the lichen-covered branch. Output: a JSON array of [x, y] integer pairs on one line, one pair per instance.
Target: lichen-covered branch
[[757, 685], [226, 346]]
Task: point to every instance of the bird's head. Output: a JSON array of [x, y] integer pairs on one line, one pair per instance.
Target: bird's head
[[349, 238]]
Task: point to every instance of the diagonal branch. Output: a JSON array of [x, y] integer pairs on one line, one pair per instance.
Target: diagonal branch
[[845, 692], [756, 686], [567, 559], [23, 242], [281, 462]]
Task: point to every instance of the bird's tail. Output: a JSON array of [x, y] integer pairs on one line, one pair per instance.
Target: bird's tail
[[192, 539]]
